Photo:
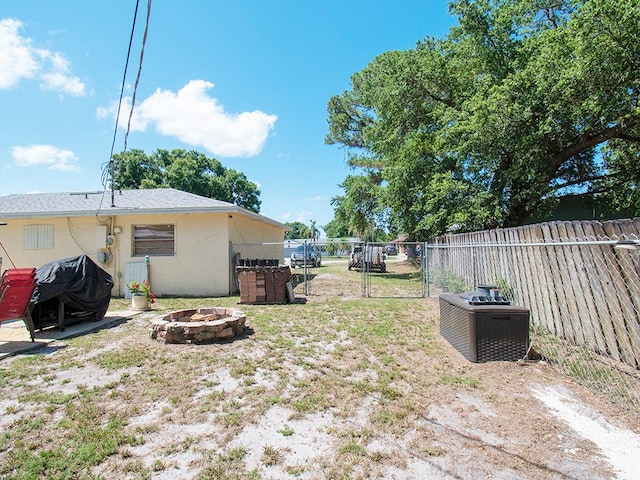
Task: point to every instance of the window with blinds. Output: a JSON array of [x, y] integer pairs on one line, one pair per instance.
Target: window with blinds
[[153, 240]]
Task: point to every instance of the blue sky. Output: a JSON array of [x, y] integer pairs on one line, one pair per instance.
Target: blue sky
[[245, 82]]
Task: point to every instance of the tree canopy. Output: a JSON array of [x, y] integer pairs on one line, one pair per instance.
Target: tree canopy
[[522, 103], [298, 230], [335, 229], [189, 171]]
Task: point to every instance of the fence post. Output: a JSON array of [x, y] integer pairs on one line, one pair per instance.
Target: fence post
[[231, 269], [363, 268], [304, 269], [425, 271], [473, 266]]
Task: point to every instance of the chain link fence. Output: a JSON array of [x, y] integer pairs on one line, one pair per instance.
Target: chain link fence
[[584, 299], [403, 275], [387, 270], [329, 276], [583, 294]]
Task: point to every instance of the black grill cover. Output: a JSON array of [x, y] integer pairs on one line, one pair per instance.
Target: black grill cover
[[78, 281]]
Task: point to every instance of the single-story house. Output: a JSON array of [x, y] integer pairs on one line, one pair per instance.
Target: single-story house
[[184, 244]]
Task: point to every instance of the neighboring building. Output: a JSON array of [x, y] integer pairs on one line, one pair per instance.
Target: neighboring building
[[291, 244], [186, 238], [580, 207]]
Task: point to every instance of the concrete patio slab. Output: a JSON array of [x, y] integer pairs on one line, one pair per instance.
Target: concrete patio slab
[[15, 338]]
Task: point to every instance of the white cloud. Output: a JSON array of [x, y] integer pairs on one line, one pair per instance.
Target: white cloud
[[199, 120], [58, 78], [45, 155], [104, 112], [17, 59], [303, 216], [20, 60]]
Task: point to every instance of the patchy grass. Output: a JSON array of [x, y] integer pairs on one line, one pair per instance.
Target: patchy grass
[[312, 358], [333, 388], [271, 456]]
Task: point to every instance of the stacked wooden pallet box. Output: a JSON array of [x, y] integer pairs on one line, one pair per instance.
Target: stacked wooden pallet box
[[263, 283]]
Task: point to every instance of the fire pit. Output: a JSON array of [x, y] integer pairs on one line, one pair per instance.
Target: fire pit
[[204, 325]]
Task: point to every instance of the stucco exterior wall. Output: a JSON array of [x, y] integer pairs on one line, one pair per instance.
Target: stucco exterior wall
[[249, 236], [201, 264], [71, 237]]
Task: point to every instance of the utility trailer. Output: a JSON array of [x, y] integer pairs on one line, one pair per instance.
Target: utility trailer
[[370, 257]]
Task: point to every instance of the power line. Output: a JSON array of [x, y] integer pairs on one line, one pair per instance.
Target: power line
[[135, 87], [109, 169]]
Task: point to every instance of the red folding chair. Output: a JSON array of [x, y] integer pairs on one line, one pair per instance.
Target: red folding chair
[[15, 295]]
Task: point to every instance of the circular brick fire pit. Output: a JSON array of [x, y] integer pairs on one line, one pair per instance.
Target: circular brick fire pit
[[204, 325]]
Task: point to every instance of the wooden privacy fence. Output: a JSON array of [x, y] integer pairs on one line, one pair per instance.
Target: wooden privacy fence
[[580, 279]]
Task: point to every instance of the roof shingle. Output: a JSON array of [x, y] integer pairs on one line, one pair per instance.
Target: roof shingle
[[160, 200]]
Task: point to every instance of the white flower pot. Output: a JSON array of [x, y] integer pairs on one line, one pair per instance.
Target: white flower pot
[[139, 301]]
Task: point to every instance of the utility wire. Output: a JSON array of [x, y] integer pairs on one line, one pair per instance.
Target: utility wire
[[109, 167], [8, 256], [122, 87], [135, 87]]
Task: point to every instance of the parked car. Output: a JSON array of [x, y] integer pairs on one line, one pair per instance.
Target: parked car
[[372, 257], [391, 250], [313, 256]]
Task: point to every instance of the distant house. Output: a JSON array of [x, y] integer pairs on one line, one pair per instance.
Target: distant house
[[291, 244], [181, 242]]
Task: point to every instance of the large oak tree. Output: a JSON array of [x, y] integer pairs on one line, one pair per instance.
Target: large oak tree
[[522, 103], [185, 170]]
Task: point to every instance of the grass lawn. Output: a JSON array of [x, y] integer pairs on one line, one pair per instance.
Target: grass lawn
[[334, 388]]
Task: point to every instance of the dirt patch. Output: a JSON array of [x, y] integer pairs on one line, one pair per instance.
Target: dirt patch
[[618, 445], [348, 388]]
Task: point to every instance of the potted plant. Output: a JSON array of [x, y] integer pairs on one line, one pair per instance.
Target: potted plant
[[141, 295]]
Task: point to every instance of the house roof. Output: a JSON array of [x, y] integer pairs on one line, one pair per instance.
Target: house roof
[[125, 202]]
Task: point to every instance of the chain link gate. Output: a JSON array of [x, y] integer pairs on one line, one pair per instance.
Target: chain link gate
[[331, 277], [403, 273], [384, 270], [369, 269]]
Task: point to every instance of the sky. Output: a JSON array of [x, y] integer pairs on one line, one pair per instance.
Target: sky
[[245, 82]]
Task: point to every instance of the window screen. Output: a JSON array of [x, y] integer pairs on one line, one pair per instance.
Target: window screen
[[153, 240]]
